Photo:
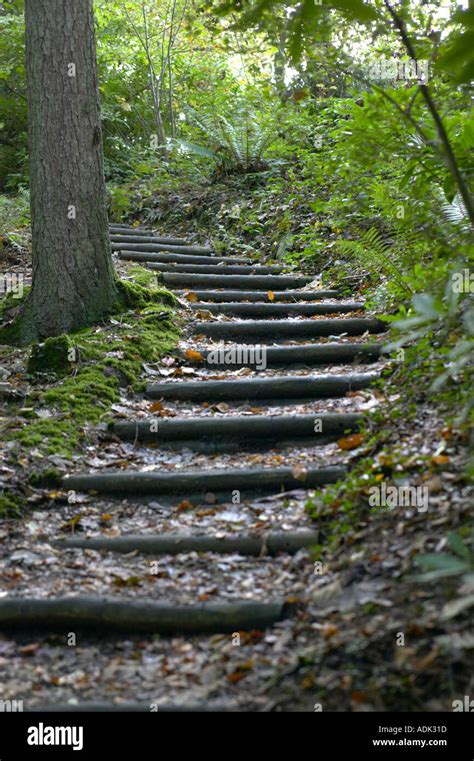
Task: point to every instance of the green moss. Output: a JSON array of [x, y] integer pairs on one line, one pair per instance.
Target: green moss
[[136, 296], [55, 355], [10, 504], [106, 359], [142, 276], [12, 302], [12, 333], [47, 478]]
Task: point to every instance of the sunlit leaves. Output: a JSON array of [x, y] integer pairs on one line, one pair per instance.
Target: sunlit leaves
[[457, 57]]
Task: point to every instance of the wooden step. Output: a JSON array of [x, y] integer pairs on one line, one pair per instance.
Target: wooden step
[[196, 484], [269, 310], [128, 238], [157, 247], [174, 544], [234, 433], [224, 296], [215, 269], [139, 256], [270, 282], [108, 615], [281, 388], [260, 356], [283, 330]]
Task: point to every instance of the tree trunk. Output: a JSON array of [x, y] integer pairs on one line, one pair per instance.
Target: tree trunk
[[73, 276]]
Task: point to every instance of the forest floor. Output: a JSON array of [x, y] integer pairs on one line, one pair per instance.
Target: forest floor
[[365, 635]]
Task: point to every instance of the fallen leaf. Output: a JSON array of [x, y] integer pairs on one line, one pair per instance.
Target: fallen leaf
[[241, 671], [351, 442], [131, 581], [299, 472], [235, 677], [185, 504], [271, 296], [440, 459], [454, 607], [28, 649], [193, 356], [73, 523]]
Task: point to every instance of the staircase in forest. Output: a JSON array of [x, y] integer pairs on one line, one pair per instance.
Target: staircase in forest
[[259, 337]]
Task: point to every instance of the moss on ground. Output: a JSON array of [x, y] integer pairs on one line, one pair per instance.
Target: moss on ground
[[47, 478], [100, 360], [10, 505], [142, 292], [53, 355]]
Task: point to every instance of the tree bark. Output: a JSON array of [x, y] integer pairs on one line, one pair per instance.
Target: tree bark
[[73, 277]]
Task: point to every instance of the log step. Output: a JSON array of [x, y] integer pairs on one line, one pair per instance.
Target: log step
[[198, 483], [139, 230], [130, 238], [286, 387], [269, 310], [238, 433], [216, 269], [228, 295], [157, 247], [283, 330], [142, 232], [260, 357], [270, 282], [140, 256], [174, 544], [106, 614]]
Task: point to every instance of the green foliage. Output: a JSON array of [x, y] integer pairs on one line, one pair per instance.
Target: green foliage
[[439, 565], [458, 51], [14, 214], [236, 143], [443, 328], [378, 254]]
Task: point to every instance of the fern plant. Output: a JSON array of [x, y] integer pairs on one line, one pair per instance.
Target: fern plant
[[236, 144], [374, 251]]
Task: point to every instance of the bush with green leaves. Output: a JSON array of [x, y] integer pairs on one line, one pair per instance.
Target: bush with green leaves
[[236, 143]]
